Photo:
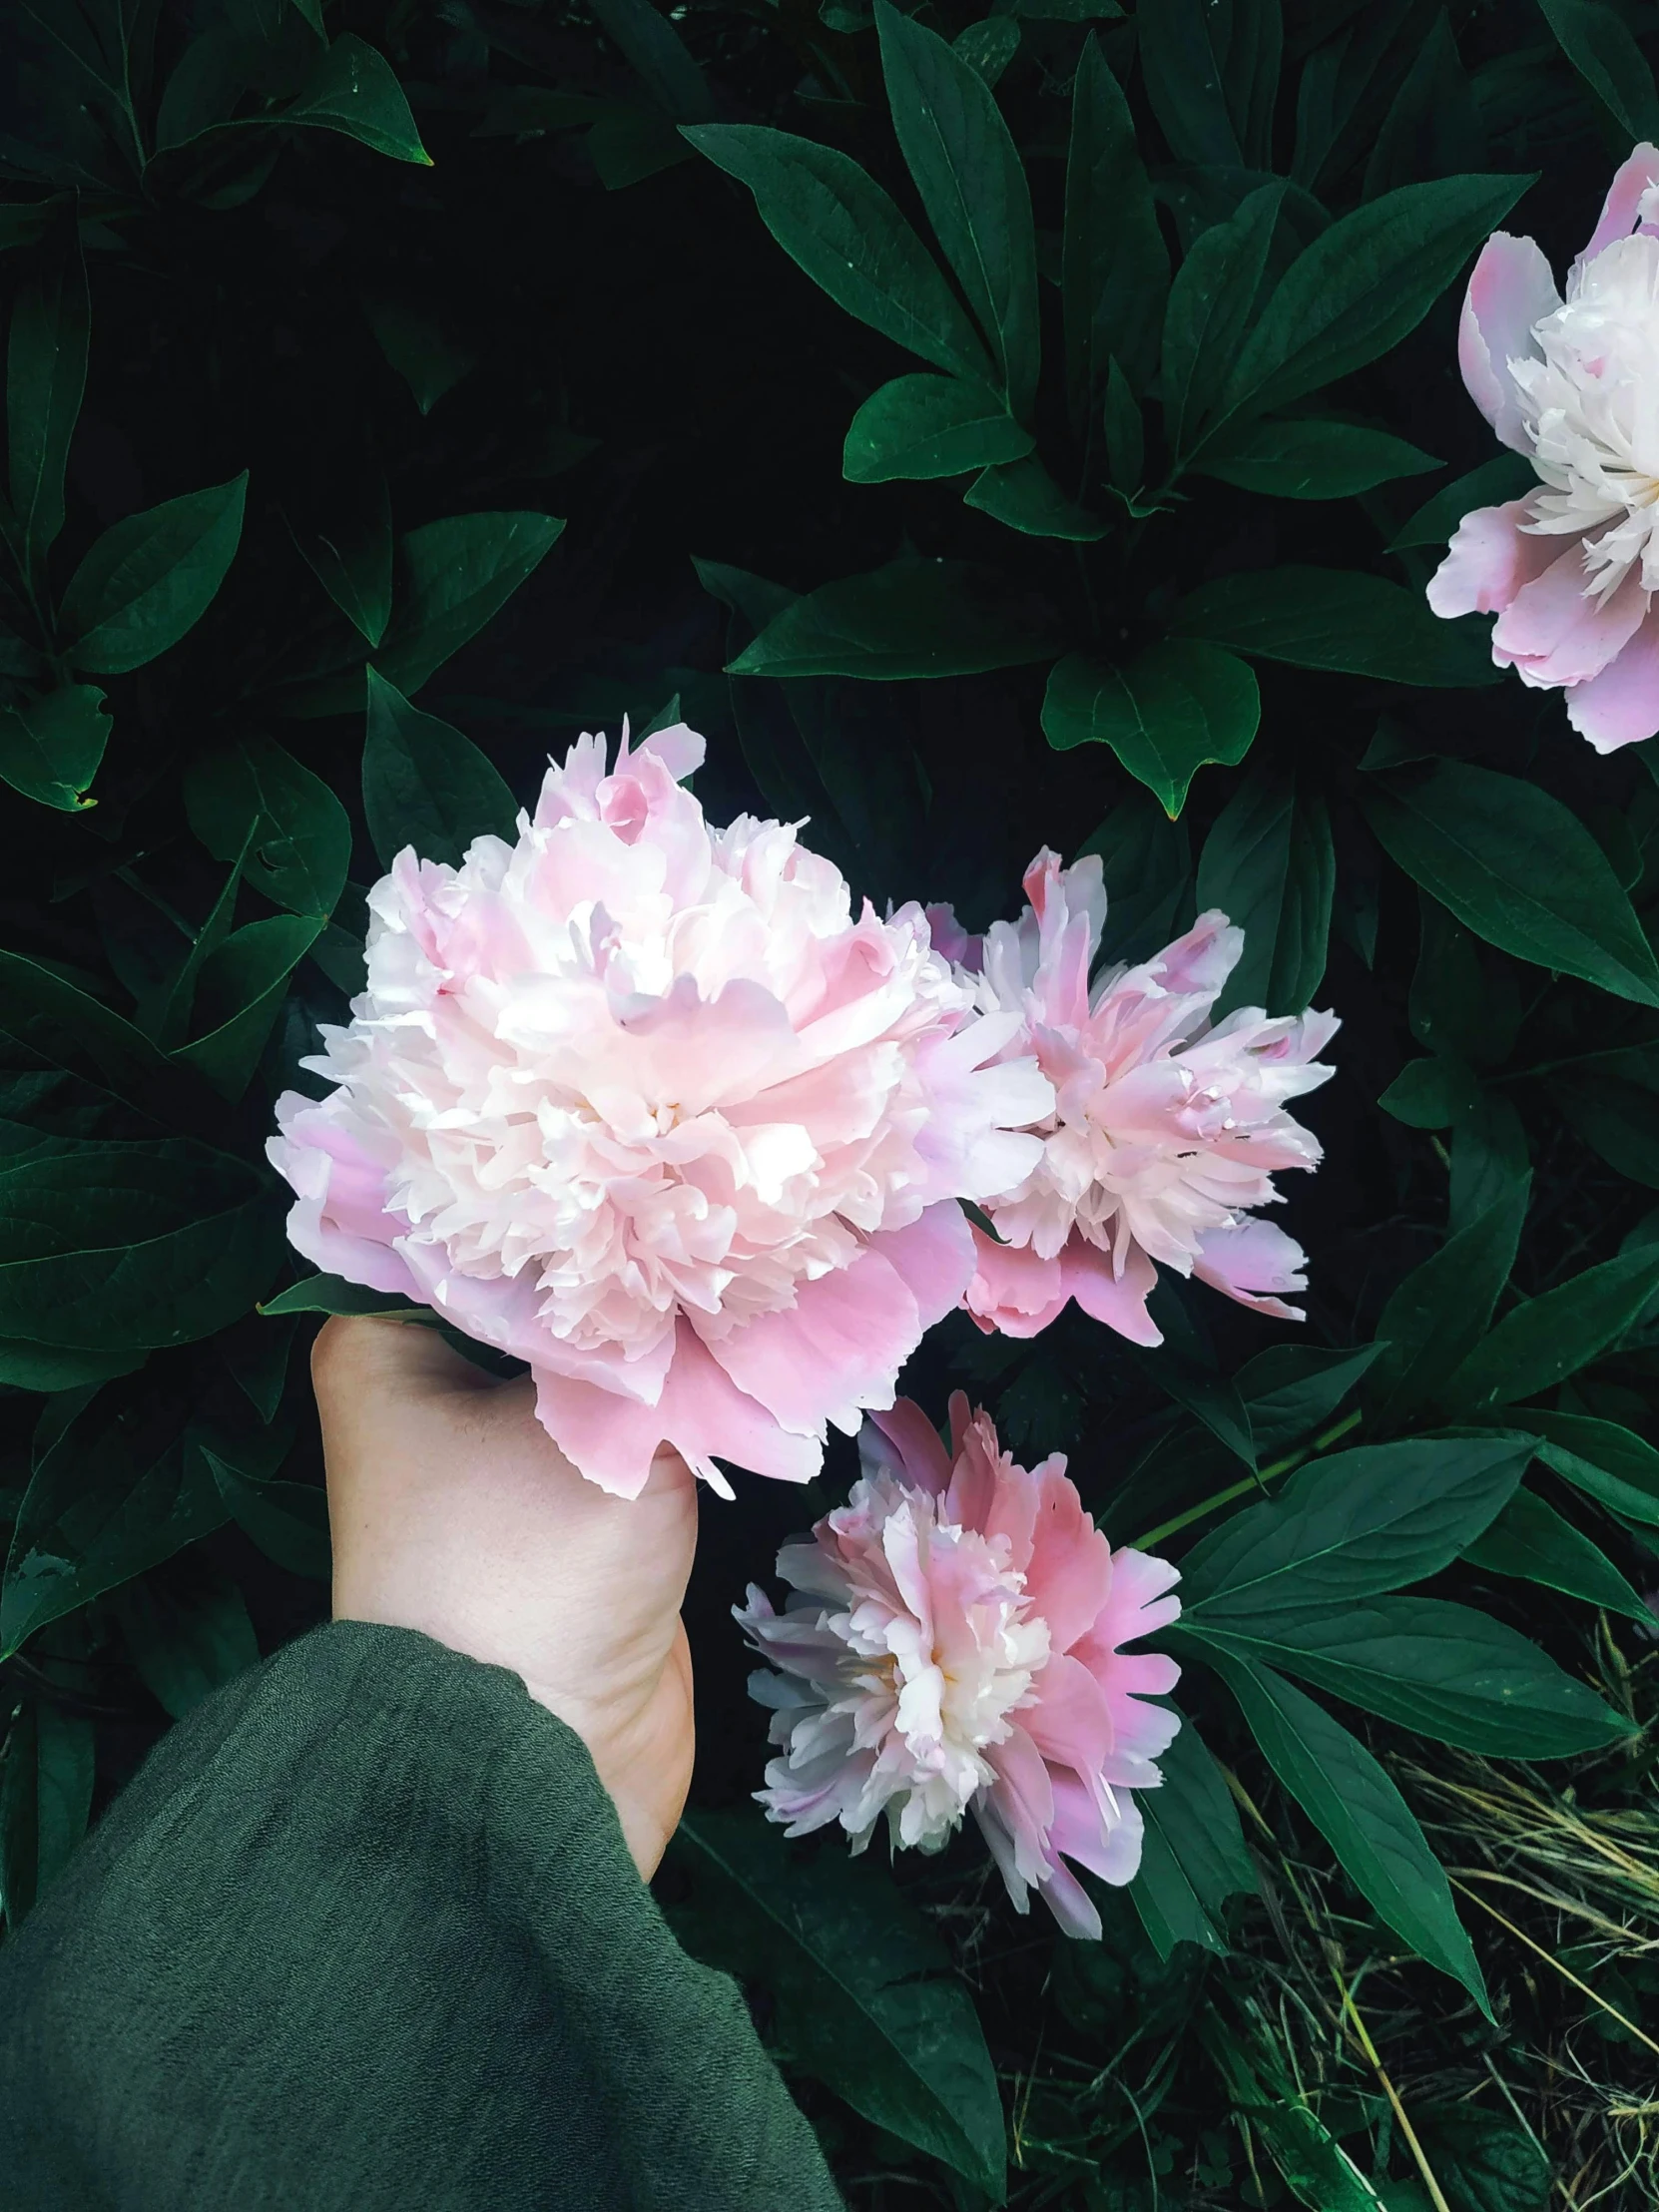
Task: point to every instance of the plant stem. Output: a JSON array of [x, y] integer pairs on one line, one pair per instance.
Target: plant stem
[[1243, 1490], [1363, 2035]]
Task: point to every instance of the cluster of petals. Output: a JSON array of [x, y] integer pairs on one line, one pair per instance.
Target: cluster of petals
[[644, 1104], [953, 1643], [1571, 568], [1166, 1130]]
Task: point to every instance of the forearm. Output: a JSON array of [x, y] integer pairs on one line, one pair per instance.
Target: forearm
[[365, 1932]]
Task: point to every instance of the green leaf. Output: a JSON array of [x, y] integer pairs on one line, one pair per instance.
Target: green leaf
[[1349, 1526], [425, 784], [1193, 1856], [1517, 867], [1532, 1542], [1310, 460], [1146, 870], [968, 173], [47, 1015], [658, 56], [1439, 1313], [1210, 307], [863, 1994], [1335, 619], [988, 47], [839, 224], [429, 360], [1509, 476], [924, 426], [453, 576], [66, 1751], [51, 748], [48, 1369], [1269, 865], [304, 845], [1552, 1336], [1613, 1103], [109, 1498], [350, 554], [1023, 495], [131, 1246], [1363, 285], [1446, 1671], [287, 1520], [911, 618], [1359, 1812], [239, 990], [328, 1294], [1166, 714], [149, 579], [46, 374], [352, 89], [187, 1642], [1487, 2164], [1211, 76], [1601, 47], [1432, 1093], [311, 10], [1114, 262], [1609, 1463], [1288, 1390]]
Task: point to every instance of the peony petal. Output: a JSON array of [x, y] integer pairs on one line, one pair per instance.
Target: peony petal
[[933, 1257], [1069, 1720], [679, 747], [1250, 1261], [1491, 558], [1621, 705], [1117, 1300], [914, 1446], [1511, 289], [1070, 1573], [1556, 635], [702, 1413], [831, 1354], [1012, 1290], [1620, 208]]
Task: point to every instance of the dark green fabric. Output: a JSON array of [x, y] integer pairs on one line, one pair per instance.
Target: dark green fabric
[[363, 1934]]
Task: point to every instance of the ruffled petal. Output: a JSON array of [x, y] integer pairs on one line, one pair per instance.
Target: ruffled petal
[[1490, 559], [1555, 634], [1621, 705], [1511, 289]]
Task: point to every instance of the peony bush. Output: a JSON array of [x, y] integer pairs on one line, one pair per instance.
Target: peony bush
[[1171, 1323]]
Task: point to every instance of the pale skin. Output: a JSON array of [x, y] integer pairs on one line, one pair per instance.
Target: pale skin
[[454, 1512]]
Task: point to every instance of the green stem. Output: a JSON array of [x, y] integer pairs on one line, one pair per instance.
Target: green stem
[[1244, 1489]]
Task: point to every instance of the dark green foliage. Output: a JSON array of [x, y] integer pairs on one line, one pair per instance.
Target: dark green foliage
[[1047, 444]]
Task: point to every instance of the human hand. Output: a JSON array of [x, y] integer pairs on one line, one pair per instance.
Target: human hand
[[454, 1513]]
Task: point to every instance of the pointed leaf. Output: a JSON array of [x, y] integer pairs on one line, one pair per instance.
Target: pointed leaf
[[353, 90], [911, 618], [50, 748], [1023, 495], [1359, 1812], [426, 786], [1310, 460], [187, 1642], [1552, 1336], [1269, 865], [1115, 265], [303, 842], [925, 426], [1532, 1542], [46, 371], [1439, 1313], [149, 579], [1171, 710], [1193, 1856], [972, 184], [287, 1520], [1210, 307], [1517, 867], [1613, 1466], [1601, 47], [240, 991], [1335, 619], [865, 1998], [846, 234]]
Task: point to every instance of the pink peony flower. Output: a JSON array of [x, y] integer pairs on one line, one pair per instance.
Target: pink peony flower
[[1165, 1132], [642, 1103], [1570, 569], [953, 1643]]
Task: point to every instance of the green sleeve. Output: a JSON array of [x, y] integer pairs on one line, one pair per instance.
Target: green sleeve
[[363, 1934]]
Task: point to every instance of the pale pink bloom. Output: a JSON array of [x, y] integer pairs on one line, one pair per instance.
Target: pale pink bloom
[[953, 1643], [1166, 1132], [642, 1103], [1571, 568]]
